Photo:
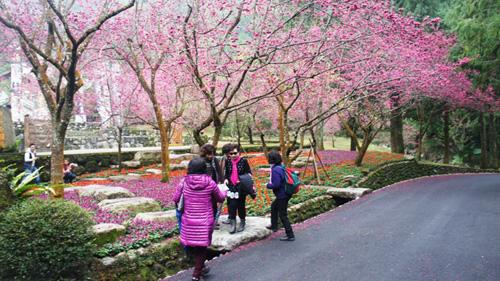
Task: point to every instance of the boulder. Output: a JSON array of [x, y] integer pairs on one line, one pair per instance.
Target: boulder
[[254, 155], [182, 157], [298, 164], [132, 164], [255, 230], [102, 192], [344, 192], [175, 167], [157, 216], [147, 157], [107, 232], [133, 205], [153, 171], [128, 177]]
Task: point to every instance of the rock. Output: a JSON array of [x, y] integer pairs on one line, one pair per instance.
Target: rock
[[195, 149], [303, 159], [181, 157], [147, 157], [255, 230], [346, 192], [250, 156], [108, 261], [175, 167], [128, 177], [132, 205], [157, 216], [93, 179], [107, 232], [153, 171], [132, 164], [299, 164], [102, 192]]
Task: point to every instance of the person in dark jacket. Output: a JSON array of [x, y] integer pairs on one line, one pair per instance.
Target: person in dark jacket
[[280, 204], [236, 198], [207, 152], [225, 159]]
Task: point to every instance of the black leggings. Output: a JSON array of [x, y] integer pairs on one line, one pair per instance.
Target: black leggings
[[279, 209], [237, 205]]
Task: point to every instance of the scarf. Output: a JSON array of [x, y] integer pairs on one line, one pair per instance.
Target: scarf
[[234, 172]]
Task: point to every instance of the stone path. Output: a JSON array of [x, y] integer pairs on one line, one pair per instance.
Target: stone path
[[438, 228], [119, 199]]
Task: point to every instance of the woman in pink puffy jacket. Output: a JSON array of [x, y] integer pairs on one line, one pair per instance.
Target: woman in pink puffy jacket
[[197, 223]]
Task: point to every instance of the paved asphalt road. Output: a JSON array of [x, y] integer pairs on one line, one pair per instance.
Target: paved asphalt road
[[443, 228]]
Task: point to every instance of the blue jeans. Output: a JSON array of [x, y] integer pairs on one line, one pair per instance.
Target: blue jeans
[[69, 177], [29, 169]]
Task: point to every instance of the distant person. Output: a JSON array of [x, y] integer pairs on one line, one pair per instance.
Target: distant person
[[30, 159], [69, 175], [279, 207], [226, 158], [236, 198], [198, 190]]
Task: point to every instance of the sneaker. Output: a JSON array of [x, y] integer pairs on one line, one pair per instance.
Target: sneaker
[[271, 228], [228, 221], [205, 270], [286, 238]]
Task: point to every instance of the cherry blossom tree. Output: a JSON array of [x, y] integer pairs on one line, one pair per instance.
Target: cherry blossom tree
[[54, 36]]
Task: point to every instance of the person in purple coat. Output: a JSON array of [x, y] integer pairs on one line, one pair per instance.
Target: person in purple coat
[[279, 207], [197, 219]]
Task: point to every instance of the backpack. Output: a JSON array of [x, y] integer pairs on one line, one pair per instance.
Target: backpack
[[292, 181]]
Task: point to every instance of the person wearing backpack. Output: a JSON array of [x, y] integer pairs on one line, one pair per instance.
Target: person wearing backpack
[[279, 207]]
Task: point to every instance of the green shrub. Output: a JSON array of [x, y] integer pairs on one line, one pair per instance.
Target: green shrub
[[91, 166], [45, 240], [397, 171], [6, 196]]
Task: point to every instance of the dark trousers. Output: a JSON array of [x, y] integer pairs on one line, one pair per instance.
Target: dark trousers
[[279, 208], [200, 255], [237, 206], [69, 177]]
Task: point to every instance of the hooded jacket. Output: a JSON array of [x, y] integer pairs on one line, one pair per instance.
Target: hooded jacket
[[198, 218]]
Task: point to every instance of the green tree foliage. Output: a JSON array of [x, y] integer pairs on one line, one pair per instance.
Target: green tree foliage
[[422, 8], [477, 25]]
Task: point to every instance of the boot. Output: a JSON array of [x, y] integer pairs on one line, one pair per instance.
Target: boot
[[232, 227], [242, 226]]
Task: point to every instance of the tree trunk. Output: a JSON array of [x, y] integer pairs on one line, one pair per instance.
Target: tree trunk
[[57, 159], [362, 152], [238, 131], [250, 134], [197, 137], [446, 130], [313, 139], [396, 124], [493, 149], [281, 127], [164, 143], [484, 141], [352, 125], [263, 142], [217, 135], [120, 139], [302, 136], [333, 141], [321, 137]]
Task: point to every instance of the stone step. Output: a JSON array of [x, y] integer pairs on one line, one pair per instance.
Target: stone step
[[255, 230], [133, 205], [128, 177], [344, 192], [102, 192], [107, 232], [153, 171], [157, 216]]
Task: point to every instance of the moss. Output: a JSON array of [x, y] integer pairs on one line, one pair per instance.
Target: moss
[[160, 260], [397, 171], [311, 208]]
